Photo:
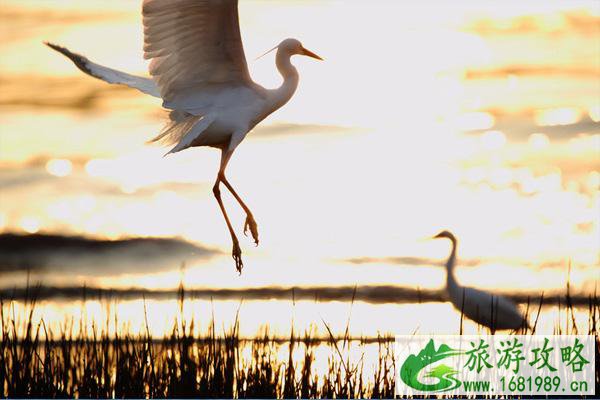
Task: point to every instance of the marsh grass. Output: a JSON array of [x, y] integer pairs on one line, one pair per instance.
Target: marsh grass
[[36, 362]]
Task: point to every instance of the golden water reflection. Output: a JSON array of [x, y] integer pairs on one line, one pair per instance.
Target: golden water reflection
[[475, 118], [278, 317]]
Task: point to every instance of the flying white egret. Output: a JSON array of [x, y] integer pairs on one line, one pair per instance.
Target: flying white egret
[[199, 69], [493, 311]]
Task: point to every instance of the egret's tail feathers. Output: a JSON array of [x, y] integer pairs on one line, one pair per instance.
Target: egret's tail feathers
[[180, 123], [145, 85], [183, 130]]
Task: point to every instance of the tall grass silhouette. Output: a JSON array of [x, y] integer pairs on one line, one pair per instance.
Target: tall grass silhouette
[[37, 362]]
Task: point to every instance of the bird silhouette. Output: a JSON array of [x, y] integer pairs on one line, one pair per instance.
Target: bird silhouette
[[485, 308], [199, 69]]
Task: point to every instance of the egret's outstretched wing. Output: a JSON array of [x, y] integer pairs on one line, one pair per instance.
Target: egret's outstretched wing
[[193, 43], [145, 85]]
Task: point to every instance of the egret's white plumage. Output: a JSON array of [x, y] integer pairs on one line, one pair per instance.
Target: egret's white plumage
[[487, 309], [144, 85], [199, 69]]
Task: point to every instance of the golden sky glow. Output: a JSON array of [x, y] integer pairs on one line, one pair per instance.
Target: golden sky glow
[[416, 122]]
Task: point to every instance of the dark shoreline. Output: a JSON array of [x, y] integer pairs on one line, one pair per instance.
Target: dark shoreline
[[380, 294]]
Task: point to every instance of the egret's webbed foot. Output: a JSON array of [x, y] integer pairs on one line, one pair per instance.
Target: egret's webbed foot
[[236, 253], [251, 224]]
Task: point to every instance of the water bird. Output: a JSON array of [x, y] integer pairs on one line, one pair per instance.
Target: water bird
[[199, 70], [485, 308]]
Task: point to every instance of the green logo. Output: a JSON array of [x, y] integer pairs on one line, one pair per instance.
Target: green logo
[[503, 364], [445, 375]]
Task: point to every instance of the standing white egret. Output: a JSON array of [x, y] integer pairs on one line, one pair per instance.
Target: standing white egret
[[199, 69], [487, 309]]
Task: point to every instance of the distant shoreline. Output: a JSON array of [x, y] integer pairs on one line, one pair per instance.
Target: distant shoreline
[[374, 294]]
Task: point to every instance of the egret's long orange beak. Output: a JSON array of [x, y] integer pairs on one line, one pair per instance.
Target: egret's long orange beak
[[310, 54]]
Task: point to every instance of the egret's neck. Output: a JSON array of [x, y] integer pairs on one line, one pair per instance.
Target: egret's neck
[[450, 279], [281, 95]]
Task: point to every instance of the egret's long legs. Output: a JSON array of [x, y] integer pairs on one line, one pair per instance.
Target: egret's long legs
[[236, 252], [250, 222]]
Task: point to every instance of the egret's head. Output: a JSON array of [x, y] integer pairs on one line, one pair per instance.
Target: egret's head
[[445, 234], [293, 46]]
